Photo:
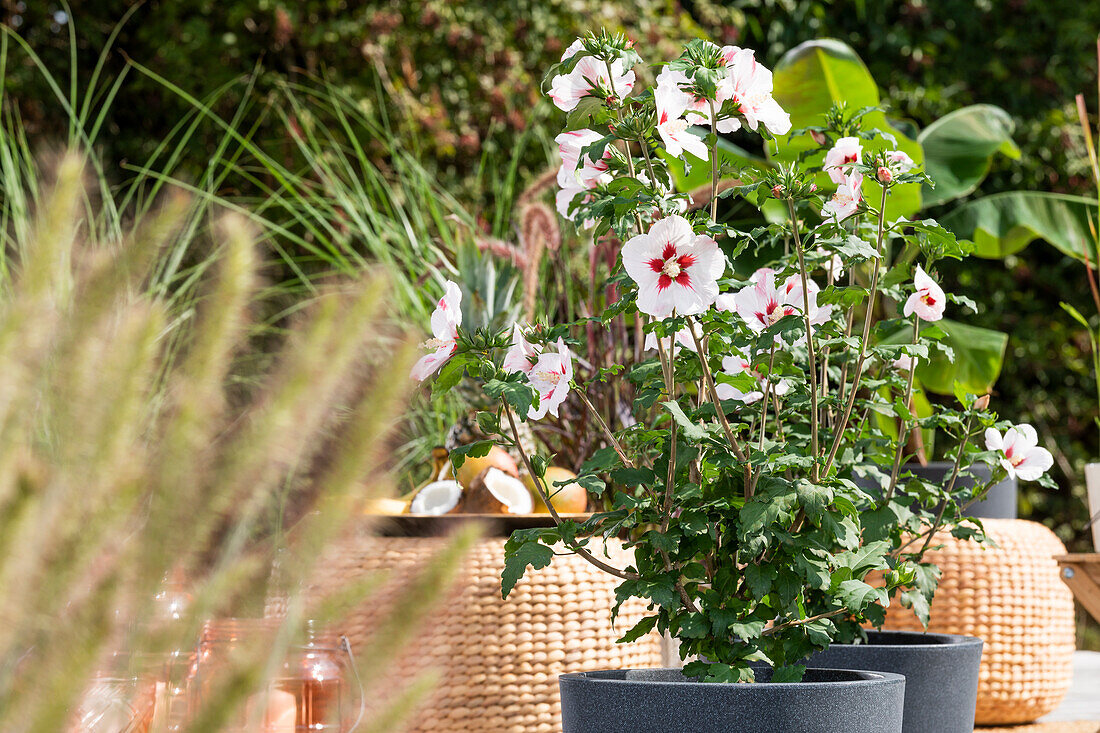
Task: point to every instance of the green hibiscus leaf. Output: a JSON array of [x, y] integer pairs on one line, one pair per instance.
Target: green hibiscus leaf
[[640, 629], [529, 554]]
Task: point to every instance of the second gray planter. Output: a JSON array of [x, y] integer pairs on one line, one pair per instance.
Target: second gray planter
[[999, 503], [941, 674]]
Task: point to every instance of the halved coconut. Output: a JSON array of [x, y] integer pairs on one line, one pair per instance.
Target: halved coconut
[[438, 497], [495, 492]]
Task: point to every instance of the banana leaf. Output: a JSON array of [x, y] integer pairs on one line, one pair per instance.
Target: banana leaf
[[959, 149], [807, 81], [1005, 223]]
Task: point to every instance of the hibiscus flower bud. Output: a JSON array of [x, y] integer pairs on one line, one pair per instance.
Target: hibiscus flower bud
[[818, 136], [777, 191], [982, 402], [813, 187], [884, 175]]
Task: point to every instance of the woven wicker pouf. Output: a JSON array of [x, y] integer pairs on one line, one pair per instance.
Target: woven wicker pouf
[[1011, 596], [498, 660]]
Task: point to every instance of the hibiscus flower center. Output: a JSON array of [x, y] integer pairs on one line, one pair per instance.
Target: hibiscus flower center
[[549, 377], [772, 313], [433, 344], [752, 100], [1014, 459], [676, 126], [672, 267], [928, 299]]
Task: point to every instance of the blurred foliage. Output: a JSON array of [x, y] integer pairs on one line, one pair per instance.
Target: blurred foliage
[[457, 81], [461, 78]]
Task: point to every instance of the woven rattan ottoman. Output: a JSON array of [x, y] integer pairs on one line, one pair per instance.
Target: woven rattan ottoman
[[498, 661], [1009, 594]]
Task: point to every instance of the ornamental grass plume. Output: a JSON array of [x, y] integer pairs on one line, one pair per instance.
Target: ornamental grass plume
[[122, 461]]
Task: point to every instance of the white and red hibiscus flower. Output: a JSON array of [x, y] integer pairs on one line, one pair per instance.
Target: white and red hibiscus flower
[[578, 173], [548, 372], [682, 338], [904, 363], [762, 304], [843, 203], [1021, 455], [671, 104], [567, 90], [896, 163], [446, 318], [929, 301], [676, 269], [839, 160], [899, 161], [747, 83], [834, 268], [577, 168], [550, 376], [697, 109], [750, 85], [737, 363], [521, 355]]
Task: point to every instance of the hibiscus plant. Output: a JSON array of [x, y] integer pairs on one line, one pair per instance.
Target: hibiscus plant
[[759, 479]]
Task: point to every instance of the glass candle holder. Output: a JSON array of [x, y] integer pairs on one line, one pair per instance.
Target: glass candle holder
[[220, 647], [312, 691], [119, 699], [318, 674]]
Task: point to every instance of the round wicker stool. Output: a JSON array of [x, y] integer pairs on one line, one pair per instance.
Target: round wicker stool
[[498, 661], [1010, 595]]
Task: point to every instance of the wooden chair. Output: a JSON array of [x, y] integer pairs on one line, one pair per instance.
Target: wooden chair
[[1081, 572]]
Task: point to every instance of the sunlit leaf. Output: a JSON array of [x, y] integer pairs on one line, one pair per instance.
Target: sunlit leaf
[[1005, 223], [808, 80], [959, 149]]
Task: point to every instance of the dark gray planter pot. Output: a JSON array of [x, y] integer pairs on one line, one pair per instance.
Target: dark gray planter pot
[[940, 670], [664, 701], [999, 503]]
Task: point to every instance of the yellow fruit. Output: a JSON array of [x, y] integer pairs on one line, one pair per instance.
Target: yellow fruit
[[570, 498], [385, 506], [497, 457]]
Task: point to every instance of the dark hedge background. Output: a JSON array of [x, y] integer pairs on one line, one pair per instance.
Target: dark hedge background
[[460, 78]]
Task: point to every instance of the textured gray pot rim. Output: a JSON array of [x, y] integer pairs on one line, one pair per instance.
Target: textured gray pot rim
[[923, 641], [867, 678]]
